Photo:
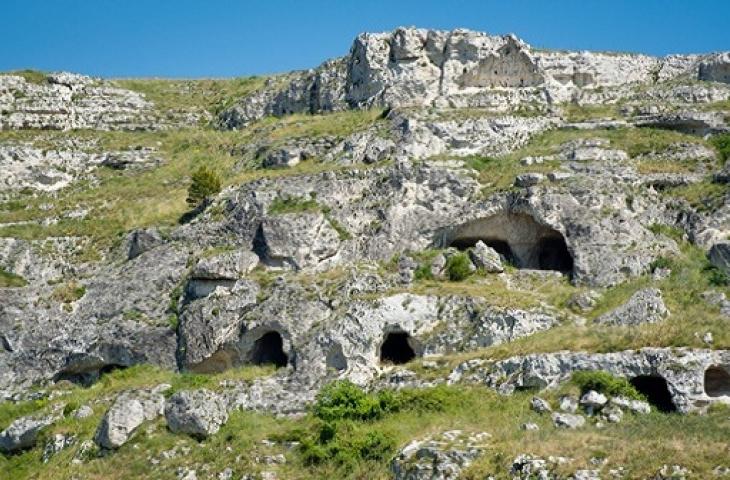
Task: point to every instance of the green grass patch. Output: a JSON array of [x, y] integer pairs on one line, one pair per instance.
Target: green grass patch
[[11, 280], [284, 205], [31, 76], [68, 292], [212, 95]]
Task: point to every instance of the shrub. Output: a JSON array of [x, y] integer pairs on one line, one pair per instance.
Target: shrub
[[605, 383], [345, 400], [423, 272], [722, 144], [715, 276], [204, 183], [458, 267]]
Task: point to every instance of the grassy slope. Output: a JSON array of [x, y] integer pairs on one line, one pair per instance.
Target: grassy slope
[[641, 443]]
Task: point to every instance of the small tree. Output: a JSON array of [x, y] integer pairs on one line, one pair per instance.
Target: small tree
[[205, 182]]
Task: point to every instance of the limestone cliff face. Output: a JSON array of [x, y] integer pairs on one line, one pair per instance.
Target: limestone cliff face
[[412, 67]]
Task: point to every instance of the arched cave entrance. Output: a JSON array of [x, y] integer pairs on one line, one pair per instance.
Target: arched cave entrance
[[518, 238], [86, 378], [397, 348], [335, 358], [717, 382], [553, 254], [269, 349], [656, 391]]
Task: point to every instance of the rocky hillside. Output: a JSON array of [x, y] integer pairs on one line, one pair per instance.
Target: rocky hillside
[[444, 255]]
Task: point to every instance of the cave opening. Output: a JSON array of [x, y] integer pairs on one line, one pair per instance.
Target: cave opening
[[656, 391], [553, 254], [717, 382], [518, 238], [86, 378], [269, 350], [397, 349]]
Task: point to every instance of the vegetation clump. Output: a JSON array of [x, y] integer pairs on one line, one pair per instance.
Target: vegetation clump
[[458, 267], [9, 279], [204, 184], [68, 292], [605, 383], [341, 412], [283, 205], [722, 144]]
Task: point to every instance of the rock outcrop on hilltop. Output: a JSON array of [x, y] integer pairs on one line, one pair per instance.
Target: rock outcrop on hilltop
[[67, 101], [412, 67], [469, 209]]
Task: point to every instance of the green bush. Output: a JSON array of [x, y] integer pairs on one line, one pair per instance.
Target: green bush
[[458, 267], [423, 272], [204, 183], [605, 383], [343, 400], [715, 276], [722, 144]]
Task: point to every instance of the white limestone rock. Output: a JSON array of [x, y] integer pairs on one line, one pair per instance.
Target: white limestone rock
[[644, 306], [199, 413], [129, 410]]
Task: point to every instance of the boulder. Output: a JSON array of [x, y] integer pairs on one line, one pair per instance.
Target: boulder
[[525, 180], [199, 413], [486, 258], [568, 403], [568, 420], [298, 240], [439, 457], [644, 306], [539, 405], [141, 241], [23, 433], [129, 410], [225, 266], [593, 401], [282, 157], [406, 268], [636, 406], [720, 256], [57, 443]]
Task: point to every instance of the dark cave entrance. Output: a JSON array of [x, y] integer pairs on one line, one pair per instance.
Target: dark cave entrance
[[656, 391], [268, 350], [397, 349], [717, 382], [518, 238], [553, 254], [86, 378]]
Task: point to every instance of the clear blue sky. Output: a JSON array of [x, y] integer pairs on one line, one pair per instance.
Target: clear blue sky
[[222, 38]]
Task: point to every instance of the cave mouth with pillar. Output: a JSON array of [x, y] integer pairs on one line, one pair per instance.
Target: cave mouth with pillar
[[518, 238]]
